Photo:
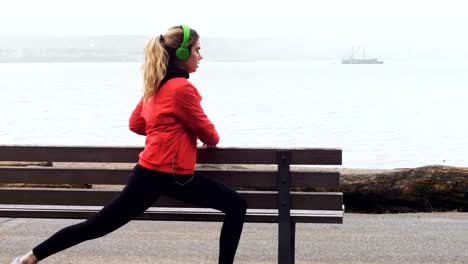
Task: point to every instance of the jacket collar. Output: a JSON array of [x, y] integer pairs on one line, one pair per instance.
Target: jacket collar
[[173, 72]]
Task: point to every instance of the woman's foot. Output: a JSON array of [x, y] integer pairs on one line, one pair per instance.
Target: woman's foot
[[29, 258]]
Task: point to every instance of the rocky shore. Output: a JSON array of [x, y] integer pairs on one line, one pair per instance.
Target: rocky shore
[[422, 189]]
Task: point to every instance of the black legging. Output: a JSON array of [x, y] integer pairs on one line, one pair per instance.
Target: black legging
[[144, 187]]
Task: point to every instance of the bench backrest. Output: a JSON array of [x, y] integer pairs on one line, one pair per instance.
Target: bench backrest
[[263, 187]]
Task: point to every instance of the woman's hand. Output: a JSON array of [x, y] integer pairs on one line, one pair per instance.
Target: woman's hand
[[203, 145]]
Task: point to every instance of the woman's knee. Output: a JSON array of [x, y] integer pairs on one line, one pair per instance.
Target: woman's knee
[[238, 206]]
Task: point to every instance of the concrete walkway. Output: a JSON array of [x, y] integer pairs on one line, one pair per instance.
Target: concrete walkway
[[388, 238]]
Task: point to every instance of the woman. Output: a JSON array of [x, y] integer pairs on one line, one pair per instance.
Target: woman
[[172, 119]]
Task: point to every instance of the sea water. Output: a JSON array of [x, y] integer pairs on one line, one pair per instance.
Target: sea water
[[398, 114]]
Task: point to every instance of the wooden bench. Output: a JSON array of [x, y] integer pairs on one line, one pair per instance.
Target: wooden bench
[[276, 190]]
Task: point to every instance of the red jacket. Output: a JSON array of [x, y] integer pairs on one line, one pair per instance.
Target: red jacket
[[172, 120]]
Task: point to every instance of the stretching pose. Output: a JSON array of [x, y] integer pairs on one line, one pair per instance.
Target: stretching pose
[[170, 116]]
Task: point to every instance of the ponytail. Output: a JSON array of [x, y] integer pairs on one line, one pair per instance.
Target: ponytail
[[155, 66]]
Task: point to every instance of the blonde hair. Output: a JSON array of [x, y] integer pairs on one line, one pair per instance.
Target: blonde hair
[[159, 55]]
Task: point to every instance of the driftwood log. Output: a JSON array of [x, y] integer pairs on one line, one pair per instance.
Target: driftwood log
[[41, 164], [422, 189], [26, 163]]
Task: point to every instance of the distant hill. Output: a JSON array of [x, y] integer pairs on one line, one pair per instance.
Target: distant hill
[[68, 49], [130, 49]]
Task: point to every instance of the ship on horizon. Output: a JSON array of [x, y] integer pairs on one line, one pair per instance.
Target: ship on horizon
[[362, 60]]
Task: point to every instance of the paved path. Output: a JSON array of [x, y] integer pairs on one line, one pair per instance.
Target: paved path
[[383, 239]]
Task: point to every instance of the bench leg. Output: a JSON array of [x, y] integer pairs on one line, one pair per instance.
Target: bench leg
[[292, 255], [287, 243]]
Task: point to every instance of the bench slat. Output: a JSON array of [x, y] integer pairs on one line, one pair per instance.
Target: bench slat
[[173, 214], [130, 155], [255, 199], [234, 178]]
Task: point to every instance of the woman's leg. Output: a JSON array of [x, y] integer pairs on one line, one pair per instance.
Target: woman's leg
[[208, 193], [139, 194]]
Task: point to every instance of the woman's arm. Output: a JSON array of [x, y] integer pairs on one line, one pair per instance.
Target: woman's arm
[[137, 123], [189, 111]]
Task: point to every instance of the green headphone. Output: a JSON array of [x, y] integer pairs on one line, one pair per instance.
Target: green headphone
[[182, 53]]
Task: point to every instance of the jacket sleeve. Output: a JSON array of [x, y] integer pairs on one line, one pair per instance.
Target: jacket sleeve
[[189, 111], [137, 123]]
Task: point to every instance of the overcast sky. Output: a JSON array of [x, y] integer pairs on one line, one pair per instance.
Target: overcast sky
[[402, 23]]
